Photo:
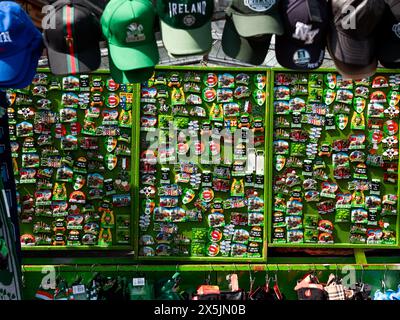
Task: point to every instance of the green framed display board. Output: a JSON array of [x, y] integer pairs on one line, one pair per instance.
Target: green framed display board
[[199, 197], [72, 154], [333, 160]]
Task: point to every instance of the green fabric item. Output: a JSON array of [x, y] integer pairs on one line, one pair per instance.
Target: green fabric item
[[254, 17], [134, 76], [129, 28], [250, 50], [185, 14], [187, 42]]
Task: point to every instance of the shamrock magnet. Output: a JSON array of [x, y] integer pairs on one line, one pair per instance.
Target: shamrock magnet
[[280, 162], [330, 80], [359, 104], [341, 121], [260, 81], [259, 97], [111, 144], [111, 161], [329, 96], [80, 181]]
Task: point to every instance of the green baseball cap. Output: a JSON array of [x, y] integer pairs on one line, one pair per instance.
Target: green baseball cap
[[186, 25], [128, 26], [255, 17], [249, 27], [252, 50], [132, 76]]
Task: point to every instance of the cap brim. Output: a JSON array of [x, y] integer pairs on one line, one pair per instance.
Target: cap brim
[[291, 55], [354, 72], [12, 66], [139, 57], [254, 25], [351, 51], [125, 77], [25, 79], [82, 62], [249, 50], [186, 42]]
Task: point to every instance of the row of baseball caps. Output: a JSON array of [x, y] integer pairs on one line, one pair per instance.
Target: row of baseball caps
[[356, 33]]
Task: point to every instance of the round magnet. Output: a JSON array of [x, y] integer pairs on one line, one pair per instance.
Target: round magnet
[[211, 80], [212, 249], [215, 235], [209, 94], [207, 194], [111, 85], [391, 127], [112, 100], [183, 148]]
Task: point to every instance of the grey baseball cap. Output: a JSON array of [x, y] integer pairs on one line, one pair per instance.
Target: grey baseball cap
[[352, 36]]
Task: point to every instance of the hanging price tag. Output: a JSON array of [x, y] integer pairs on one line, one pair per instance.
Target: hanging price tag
[[79, 289], [138, 282]]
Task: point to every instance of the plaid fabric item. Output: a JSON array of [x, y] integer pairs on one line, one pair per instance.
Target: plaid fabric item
[[335, 291]]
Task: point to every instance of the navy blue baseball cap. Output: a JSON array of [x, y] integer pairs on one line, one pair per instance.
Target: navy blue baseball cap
[[302, 46], [20, 42], [389, 36]]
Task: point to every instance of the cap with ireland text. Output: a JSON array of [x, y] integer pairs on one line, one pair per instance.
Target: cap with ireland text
[[128, 26], [186, 25]]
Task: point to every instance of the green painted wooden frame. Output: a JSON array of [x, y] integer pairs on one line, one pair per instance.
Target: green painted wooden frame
[[127, 247], [207, 259], [270, 175]]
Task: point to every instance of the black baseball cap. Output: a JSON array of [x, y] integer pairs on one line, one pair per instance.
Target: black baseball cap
[[389, 36], [352, 36], [302, 46], [249, 27], [74, 44]]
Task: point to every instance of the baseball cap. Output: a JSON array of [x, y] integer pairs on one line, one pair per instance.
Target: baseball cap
[[302, 46], [351, 38], [134, 76], [186, 25], [248, 29], [252, 50], [73, 46], [128, 26], [19, 38], [389, 36], [25, 78]]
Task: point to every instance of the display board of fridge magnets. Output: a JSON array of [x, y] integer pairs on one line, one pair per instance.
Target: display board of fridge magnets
[[334, 160], [202, 164], [71, 149]]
